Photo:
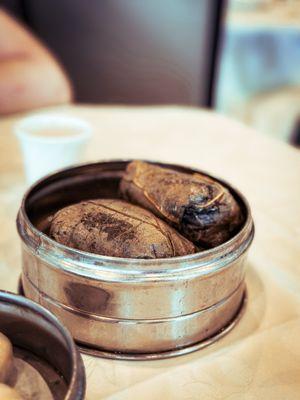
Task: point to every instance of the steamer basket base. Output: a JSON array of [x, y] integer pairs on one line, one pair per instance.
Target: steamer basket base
[[172, 353], [164, 354]]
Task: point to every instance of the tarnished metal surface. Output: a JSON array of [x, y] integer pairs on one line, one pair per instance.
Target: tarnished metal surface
[[175, 352], [127, 305], [40, 339]]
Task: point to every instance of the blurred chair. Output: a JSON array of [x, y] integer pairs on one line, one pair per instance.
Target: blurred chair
[[131, 51]]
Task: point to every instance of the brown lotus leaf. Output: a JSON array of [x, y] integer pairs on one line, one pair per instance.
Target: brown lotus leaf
[[200, 208], [116, 228]]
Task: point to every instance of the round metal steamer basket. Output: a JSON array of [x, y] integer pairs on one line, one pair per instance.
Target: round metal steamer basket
[[128, 308], [39, 339]]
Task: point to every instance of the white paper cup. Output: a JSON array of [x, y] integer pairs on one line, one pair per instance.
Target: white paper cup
[[45, 154]]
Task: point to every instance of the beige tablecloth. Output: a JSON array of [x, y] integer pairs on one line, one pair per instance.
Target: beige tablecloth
[[260, 358]]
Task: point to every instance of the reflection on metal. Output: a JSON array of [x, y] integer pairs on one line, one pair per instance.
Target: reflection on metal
[[171, 353]]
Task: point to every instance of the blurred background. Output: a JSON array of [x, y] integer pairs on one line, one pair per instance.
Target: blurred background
[[259, 79], [240, 57]]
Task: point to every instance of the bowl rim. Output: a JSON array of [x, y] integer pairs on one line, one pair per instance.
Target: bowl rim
[[77, 384]]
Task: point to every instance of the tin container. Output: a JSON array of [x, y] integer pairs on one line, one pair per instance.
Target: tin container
[[39, 339], [128, 308]]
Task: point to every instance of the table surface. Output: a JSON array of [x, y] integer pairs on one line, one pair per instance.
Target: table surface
[[260, 358]]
